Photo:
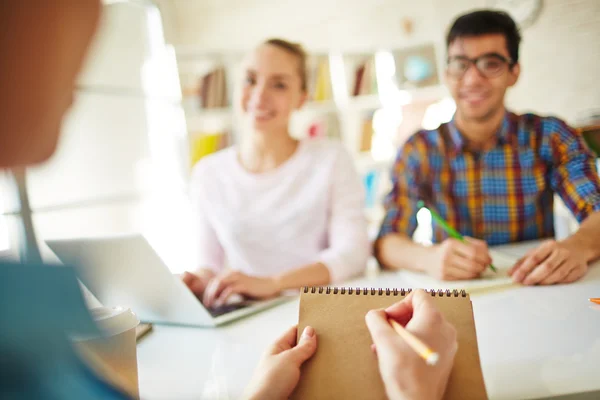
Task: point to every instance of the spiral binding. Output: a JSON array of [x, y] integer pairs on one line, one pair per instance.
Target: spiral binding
[[381, 292]]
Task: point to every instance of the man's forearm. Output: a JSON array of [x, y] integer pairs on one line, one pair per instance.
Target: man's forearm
[[586, 239], [397, 251]]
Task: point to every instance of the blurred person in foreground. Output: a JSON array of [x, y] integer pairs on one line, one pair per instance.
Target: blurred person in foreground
[[43, 47]]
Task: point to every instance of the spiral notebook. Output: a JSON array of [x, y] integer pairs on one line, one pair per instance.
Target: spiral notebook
[[344, 367]]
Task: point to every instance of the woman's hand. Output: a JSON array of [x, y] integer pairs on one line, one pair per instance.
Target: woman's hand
[[220, 288], [198, 281]]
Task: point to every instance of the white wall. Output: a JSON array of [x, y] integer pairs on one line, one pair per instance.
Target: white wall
[[319, 24], [561, 60], [560, 52], [121, 165], [106, 146]]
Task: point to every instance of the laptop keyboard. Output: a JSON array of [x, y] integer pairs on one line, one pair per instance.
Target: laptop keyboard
[[224, 309]]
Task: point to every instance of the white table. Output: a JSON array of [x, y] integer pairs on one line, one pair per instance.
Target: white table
[[534, 342]]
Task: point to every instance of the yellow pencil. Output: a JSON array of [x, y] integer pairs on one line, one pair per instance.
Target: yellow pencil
[[430, 356]]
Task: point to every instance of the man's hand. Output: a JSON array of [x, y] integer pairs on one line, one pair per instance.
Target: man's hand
[[454, 259], [552, 262]]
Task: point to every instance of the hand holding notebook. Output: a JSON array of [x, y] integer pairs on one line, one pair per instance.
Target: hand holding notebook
[[278, 371]]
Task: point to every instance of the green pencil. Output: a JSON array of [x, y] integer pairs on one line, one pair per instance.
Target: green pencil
[[449, 230]]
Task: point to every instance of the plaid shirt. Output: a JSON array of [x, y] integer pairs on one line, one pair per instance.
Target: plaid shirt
[[502, 195]]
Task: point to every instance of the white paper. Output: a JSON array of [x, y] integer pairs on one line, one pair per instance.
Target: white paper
[[488, 282]]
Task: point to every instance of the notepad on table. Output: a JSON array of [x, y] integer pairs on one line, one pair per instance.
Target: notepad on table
[[344, 367], [487, 283]]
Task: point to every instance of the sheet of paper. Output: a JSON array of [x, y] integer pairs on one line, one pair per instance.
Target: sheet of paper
[[488, 282]]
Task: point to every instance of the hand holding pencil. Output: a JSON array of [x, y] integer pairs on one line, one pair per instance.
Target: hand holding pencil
[[402, 362], [457, 257]]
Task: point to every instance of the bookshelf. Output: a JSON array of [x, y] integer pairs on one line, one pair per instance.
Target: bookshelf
[[359, 98], [207, 87]]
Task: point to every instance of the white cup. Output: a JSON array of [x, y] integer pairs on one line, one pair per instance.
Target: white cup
[[113, 355]]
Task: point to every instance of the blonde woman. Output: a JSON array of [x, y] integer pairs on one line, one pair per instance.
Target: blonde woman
[[279, 212]]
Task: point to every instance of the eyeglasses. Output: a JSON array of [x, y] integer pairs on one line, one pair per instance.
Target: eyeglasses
[[489, 65]]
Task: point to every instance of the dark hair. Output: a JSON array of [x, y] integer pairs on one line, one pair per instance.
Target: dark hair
[[296, 50], [486, 22]]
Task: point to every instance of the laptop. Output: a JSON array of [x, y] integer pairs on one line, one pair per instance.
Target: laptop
[[125, 271]]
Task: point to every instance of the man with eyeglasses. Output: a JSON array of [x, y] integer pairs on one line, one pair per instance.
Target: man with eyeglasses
[[490, 173]]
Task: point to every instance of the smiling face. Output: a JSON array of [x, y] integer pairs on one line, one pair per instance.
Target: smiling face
[[273, 88], [479, 98]]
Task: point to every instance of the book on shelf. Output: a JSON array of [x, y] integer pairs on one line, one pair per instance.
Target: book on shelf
[[358, 75], [204, 87], [366, 138], [315, 130], [370, 180], [205, 143], [320, 85], [325, 126], [365, 78], [213, 89]]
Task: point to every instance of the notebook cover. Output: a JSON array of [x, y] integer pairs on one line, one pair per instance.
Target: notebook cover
[[344, 365]]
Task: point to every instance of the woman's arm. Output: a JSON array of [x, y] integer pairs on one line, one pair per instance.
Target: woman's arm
[[349, 247], [210, 256]]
